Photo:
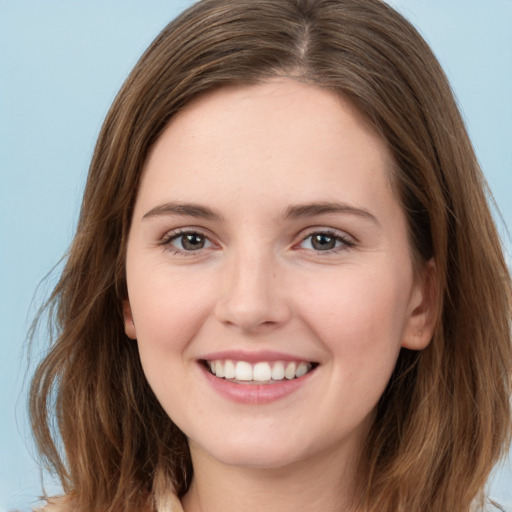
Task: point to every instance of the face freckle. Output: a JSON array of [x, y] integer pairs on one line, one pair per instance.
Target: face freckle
[[266, 238]]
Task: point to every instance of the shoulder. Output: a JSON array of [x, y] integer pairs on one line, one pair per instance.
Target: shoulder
[[493, 506], [56, 504], [65, 504]]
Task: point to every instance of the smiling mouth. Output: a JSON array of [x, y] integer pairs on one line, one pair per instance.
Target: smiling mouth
[[262, 372]]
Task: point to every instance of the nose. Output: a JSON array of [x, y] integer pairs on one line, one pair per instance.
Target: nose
[[252, 296]]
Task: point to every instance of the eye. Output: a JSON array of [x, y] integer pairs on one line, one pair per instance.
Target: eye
[[186, 242], [325, 241]]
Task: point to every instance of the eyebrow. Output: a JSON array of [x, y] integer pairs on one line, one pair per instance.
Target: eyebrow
[[183, 210], [299, 211], [313, 209]]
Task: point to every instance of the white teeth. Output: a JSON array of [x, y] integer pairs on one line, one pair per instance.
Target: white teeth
[[219, 369], [243, 371], [263, 371], [229, 370], [278, 371], [302, 369], [289, 373]]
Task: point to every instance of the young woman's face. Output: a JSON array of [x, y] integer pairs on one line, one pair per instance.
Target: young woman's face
[[267, 244]]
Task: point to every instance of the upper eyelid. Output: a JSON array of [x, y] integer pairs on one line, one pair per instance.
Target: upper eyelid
[[175, 233], [305, 233], [166, 242]]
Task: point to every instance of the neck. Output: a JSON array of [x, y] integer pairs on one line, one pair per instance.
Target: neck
[[320, 483]]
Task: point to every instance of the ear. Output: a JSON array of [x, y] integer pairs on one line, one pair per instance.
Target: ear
[[423, 309], [129, 325]]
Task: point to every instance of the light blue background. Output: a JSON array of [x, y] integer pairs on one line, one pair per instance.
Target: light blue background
[[61, 63]]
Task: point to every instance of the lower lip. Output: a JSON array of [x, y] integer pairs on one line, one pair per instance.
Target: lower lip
[[255, 393]]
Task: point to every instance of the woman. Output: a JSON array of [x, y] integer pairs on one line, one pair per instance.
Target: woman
[[286, 290]]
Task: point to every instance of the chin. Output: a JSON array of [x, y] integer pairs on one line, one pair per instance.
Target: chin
[[253, 454]]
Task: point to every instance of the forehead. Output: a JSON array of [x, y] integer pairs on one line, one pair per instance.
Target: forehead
[[277, 138]]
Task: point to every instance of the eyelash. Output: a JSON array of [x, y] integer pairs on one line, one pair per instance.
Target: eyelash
[[167, 240], [343, 240]]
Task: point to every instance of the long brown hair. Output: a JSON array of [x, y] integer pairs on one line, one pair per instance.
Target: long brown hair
[[445, 417]]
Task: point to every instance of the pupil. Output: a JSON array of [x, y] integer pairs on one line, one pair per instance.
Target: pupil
[[323, 242], [192, 242]]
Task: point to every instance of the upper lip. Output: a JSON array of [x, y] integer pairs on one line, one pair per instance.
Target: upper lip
[[253, 357]]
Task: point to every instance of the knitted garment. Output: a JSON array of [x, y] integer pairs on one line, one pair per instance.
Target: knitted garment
[[174, 505]]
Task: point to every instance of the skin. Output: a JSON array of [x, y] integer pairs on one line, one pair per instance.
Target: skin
[[251, 155]]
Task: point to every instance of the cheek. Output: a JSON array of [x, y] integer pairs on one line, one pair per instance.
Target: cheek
[[360, 315], [168, 310]]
